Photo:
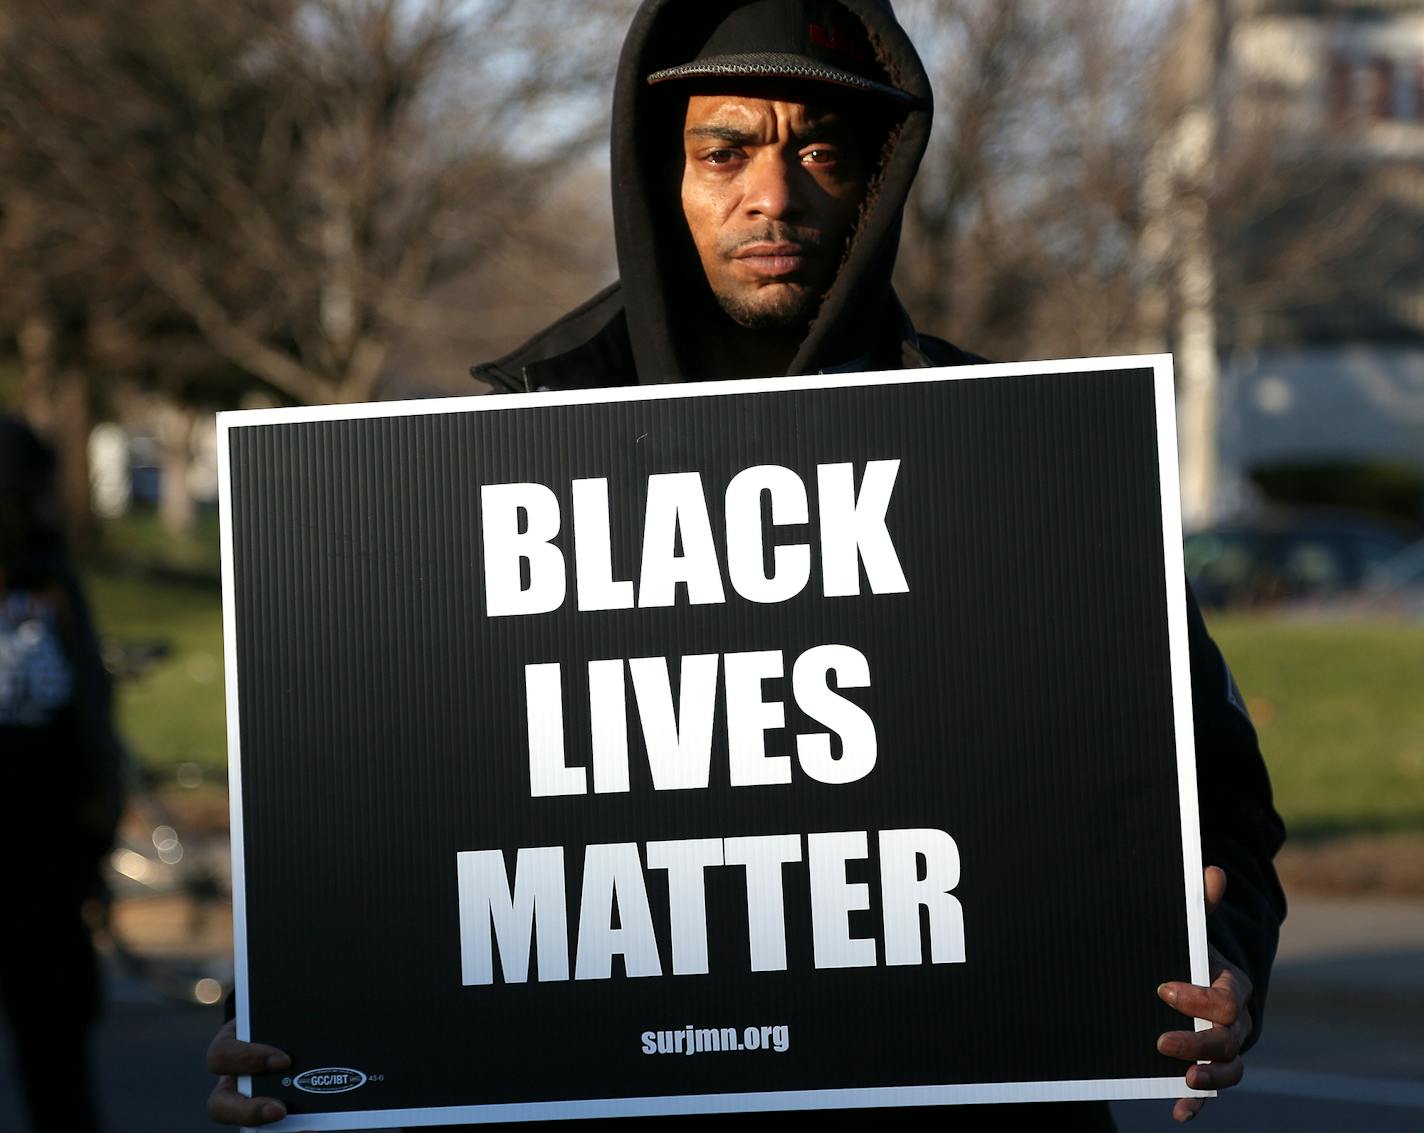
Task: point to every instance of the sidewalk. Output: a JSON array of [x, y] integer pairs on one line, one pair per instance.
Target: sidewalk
[[149, 1057], [1360, 958]]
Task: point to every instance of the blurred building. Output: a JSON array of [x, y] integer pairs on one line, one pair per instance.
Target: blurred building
[[1328, 370]]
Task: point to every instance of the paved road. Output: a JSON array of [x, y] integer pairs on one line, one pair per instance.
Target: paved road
[[1343, 1050], [150, 1065]]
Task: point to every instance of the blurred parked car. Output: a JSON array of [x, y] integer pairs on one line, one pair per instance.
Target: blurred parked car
[[1395, 586], [1292, 557]]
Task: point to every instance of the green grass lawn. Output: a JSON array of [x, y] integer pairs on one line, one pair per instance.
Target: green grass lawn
[[140, 537], [1340, 711], [1339, 707], [173, 713]]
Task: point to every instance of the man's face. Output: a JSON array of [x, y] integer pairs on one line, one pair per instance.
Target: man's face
[[771, 190]]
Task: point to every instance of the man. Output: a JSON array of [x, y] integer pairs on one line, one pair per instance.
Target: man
[[762, 155], [692, 215]]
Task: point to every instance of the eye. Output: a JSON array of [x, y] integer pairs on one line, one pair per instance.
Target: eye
[[720, 156], [820, 155]]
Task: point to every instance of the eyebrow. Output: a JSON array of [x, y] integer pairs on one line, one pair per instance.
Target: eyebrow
[[830, 129], [730, 134]]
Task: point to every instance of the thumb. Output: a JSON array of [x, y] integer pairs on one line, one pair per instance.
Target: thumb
[[1214, 882]]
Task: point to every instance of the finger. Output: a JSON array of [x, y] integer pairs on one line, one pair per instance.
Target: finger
[[227, 1107], [1214, 882], [1217, 1076], [1223, 1002], [1213, 1044], [1187, 1108], [228, 1054]]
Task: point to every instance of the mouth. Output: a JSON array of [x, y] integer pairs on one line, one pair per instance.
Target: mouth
[[774, 260]]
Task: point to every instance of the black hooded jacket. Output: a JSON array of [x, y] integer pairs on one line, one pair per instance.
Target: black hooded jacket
[[636, 332]]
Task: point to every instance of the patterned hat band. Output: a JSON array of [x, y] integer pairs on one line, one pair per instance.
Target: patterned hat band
[[772, 65]]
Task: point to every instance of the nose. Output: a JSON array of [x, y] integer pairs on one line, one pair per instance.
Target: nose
[[773, 188]]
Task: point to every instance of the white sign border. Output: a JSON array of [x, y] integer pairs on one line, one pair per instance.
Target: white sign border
[[948, 1094]]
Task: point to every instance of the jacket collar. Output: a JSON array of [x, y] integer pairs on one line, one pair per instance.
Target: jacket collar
[[590, 349]]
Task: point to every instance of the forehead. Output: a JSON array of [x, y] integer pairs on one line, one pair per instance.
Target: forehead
[[799, 105]]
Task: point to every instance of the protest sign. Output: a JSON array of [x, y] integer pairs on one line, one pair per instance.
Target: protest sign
[[757, 745]]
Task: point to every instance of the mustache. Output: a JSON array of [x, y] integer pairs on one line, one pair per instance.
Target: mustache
[[808, 240]]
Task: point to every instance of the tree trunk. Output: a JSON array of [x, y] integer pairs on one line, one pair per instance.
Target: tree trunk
[[1198, 369], [36, 342], [1195, 137], [56, 404], [71, 437], [1154, 251], [174, 425]]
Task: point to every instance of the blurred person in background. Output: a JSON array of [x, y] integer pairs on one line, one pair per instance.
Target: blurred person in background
[[62, 766], [762, 154]]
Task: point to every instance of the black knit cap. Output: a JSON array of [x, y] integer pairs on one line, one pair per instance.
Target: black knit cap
[[815, 40]]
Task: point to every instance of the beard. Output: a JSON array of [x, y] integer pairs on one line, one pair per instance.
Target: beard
[[790, 307], [781, 305]]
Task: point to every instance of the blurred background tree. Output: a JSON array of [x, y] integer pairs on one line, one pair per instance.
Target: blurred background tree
[[1113, 177], [203, 199], [205, 205], [335, 200]]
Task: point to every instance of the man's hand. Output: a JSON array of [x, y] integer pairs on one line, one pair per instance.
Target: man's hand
[[228, 1057], [1223, 1004]]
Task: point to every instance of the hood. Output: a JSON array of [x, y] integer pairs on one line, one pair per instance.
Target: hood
[[662, 285]]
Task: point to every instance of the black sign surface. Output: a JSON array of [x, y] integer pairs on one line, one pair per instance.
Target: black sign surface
[[780, 744]]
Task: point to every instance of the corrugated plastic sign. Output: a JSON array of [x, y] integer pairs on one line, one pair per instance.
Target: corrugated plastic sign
[[760, 745]]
